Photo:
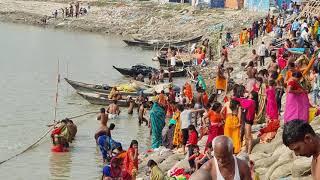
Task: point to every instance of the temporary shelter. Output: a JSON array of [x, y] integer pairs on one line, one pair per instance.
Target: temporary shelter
[[234, 4], [217, 3], [257, 5]]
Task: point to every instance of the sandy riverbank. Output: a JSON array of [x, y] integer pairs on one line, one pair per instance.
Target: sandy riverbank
[[149, 19]]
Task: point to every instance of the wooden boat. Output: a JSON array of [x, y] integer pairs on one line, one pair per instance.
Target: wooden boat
[[131, 73], [136, 70], [164, 62], [96, 99], [158, 44], [94, 88]]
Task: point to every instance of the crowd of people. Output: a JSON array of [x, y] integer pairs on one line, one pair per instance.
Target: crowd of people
[[289, 66]]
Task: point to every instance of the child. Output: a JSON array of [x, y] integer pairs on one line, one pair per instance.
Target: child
[[195, 157], [271, 108], [201, 159], [192, 143]]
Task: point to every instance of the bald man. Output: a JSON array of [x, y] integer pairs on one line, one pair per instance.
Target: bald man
[[224, 165]]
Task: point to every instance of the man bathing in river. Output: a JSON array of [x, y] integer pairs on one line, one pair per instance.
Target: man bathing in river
[[103, 117], [224, 165], [131, 105], [113, 110], [141, 113], [301, 138]]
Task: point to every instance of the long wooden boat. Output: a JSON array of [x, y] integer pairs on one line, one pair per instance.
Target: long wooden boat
[[131, 73], [94, 88], [164, 62], [96, 99], [154, 43]]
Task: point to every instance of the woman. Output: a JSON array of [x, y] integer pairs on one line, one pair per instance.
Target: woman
[[216, 122], [232, 125], [271, 109], [113, 171], [251, 106], [188, 91], [131, 160], [297, 101], [177, 135], [156, 173], [221, 80], [157, 117]]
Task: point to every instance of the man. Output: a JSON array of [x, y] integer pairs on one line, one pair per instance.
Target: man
[[224, 165], [103, 117], [106, 131], [186, 118], [301, 138], [262, 53], [255, 57], [295, 27], [224, 54], [113, 110], [305, 35], [141, 113], [173, 60]]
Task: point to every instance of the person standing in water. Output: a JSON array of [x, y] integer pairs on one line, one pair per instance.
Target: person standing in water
[[141, 113], [113, 110], [131, 105]]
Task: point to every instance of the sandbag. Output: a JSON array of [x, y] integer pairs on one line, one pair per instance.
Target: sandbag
[[301, 167], [283, 159], [282, 171], [261, 171], [170, 161], [266, 162], [270, 147], [258, 155]]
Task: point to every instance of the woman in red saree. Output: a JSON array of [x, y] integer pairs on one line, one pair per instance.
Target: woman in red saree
[[130, 162], [216, 122]]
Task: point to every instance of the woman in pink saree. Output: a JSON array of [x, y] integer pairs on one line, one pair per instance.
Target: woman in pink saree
[[297, 101], [272, 108]]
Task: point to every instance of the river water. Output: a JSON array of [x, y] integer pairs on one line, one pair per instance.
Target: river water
[[28, 70]]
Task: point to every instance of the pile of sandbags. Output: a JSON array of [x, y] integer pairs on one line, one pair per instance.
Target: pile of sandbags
[[274, 160]]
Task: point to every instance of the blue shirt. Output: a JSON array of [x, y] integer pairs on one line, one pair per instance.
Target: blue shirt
[[295, 26]]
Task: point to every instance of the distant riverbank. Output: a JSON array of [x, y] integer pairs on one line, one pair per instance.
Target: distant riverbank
[[139, 19]]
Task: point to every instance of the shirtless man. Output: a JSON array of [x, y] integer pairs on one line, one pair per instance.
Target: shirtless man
[[103, 117], [113, 110], [301, 138], [131, 105], [141, 113], [273, 65], [255, 57], [224, 165]]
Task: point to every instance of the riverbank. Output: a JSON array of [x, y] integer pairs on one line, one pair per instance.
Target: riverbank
[[148, 19]]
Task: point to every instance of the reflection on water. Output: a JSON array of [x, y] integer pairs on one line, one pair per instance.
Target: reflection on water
[[60, 165]]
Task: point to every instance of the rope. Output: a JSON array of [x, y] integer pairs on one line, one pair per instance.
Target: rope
[[39, 139]]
